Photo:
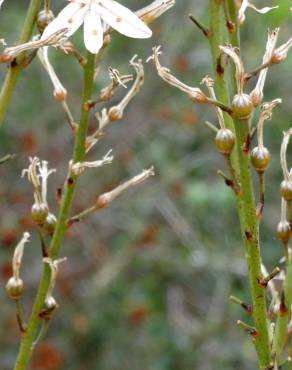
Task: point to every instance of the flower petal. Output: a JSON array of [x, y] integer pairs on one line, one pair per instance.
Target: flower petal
[[123, 20], [70, 17], [93, 32]]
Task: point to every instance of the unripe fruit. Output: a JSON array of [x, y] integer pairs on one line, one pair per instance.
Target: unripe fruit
[[14, 288], [260, 158], [50, 305], [43, 19], [242, 106], [50, 223], [283, 231], [225, 141], [39, 213], [286, 189]]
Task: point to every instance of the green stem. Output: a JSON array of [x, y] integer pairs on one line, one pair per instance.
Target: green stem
[[16, 67], [79, 152], [245, 201], [284, 311], [216, 38], [250, 233]]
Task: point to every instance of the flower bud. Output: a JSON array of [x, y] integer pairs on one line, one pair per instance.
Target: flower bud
[[242, 106], [50, 223], [39, 213], [225, 141], [44, 18], [286, 189], [14, 288], [283, 231], [260, 158]]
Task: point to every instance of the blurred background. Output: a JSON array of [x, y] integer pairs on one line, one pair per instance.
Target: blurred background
[[147, 280]]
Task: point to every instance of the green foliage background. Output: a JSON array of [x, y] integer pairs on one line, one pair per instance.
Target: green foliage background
[[147, 281]]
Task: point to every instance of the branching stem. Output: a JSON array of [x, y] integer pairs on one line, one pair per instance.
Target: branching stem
[[54, 249]]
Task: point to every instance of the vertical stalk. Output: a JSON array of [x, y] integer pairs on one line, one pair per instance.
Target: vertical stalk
[[54, 250], [245, 201], [16, 68], [284, 311], [250, 233]]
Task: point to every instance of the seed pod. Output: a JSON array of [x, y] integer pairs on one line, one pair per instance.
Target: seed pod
[[50, 223], [260, 158], [44, 18], [14, 288], [286, 189], [283, 231], [225, 141], [242, 106], [39, 213]]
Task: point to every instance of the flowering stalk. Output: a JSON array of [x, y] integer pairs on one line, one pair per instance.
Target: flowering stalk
[[27, 341], [16, 68], [245, 201]]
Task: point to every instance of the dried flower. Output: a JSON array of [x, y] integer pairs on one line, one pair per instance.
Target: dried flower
[[50, 303], [38, 174], [94, 14], [78, 168], [105, 199], [257, 94], [194, 93], [286, 184], [154, 10], [55, 39], [241, 103], [281, 52], [260, 155], [116, 112], [14, 285], [246, 4]]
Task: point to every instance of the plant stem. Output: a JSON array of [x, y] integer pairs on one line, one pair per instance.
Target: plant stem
[[245, 201], [79, 153], [250, 233], [16, 67]]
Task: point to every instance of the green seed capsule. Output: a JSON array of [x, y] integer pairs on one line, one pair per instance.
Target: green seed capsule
[[39, 213], [283, 231], [14, 288], [242, 106], [50, 305], [43, 19], [225, 141], [50, 223], [260, 158], [286, 189]]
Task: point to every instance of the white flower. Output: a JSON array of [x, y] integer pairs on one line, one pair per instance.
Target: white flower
[[95, 14]]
